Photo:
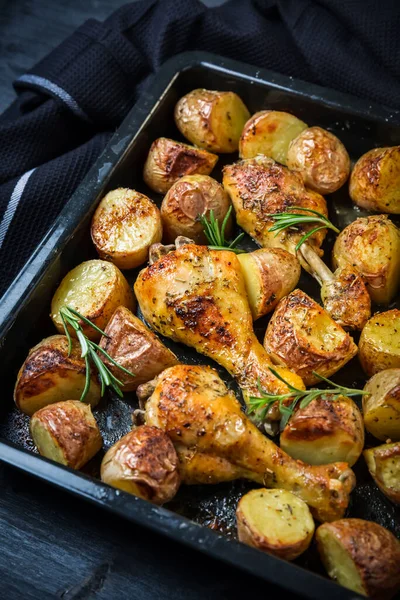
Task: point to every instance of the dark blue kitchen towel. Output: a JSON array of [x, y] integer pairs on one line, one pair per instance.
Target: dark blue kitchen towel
[[68, 105]]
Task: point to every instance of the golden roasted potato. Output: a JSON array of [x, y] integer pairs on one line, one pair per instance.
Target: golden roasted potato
[[375, 180], [144, 463], [269, 132], [379, 345], [324, 432], [188, 198], [361, 556], [321, 159], [211, 120], [269, 274], [303, 337], [275, 521], [168, 160], [95, 288], [49, 375], [383, 463], [67, 433], [124, 227], [135, 347], [372, 246], [381, 408]]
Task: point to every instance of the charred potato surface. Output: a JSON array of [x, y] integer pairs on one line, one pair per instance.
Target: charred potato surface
[[383, 463], [381, 408], [346, 298], [379, 346]]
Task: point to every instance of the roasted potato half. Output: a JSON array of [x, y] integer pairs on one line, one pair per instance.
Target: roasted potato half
[[321, 159], [168, 160], [188, 198], [327, 430], [95, 288], [372, 246], [49, 375], [144, 463], [275, 521], [211, 120], [379, 345], [360, 555], [381, 408], [67, 433], [375, 180], [124, 227], [302, 336], [269, 132], [269, 275], [132, 345], [383, 463]]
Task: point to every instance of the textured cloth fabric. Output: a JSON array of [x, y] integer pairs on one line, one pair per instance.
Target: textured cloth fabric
[[70, 103]]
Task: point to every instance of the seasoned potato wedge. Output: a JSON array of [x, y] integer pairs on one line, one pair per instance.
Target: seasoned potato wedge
[[269, 132], [168, 160], [321, 159], [372, 246], [375, 180], [124, 227], [302, 336], [188, 198], [144, 463], [67, 433], [383, 463], [360, 555], [379, 346], [275, 521], [381, 408], [95, 288], [49, 375], [135, 347], [211, 120], [324, 432], [269, 274]]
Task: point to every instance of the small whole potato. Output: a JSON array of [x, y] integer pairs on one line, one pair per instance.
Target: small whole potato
[[211, 120], [321, 159], [275, 521], [269, 132], [95, 288], [383, 463], [190, 197], [381, 407], [143, 463], [360, 555], [375, 180], [124, 227], [50, 375], [379, 345], [67, 433], [168, 161]]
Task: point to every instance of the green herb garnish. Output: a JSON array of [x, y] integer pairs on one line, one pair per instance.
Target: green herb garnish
[[285, 220], [216, 235]]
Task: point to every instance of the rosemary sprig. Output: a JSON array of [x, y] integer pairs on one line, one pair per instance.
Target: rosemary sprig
[[216, 235], [285, 220], [260, 405], [72, 317]]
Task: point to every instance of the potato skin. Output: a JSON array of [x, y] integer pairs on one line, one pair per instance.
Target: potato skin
[[94, 288], [346, 298], [381, 408], [134, 347], [212, 120], [373, 551], [189, 197], [144, 463], [260, 512], [383, 463], [269, 132], [297, 337], [324, 432], [321, 159], [49, 375], [379, 345], [75, 436], [169, 160], [375, 180], [124, 226]]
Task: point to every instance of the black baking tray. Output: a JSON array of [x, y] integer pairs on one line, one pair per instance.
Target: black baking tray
[[202, 517]]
